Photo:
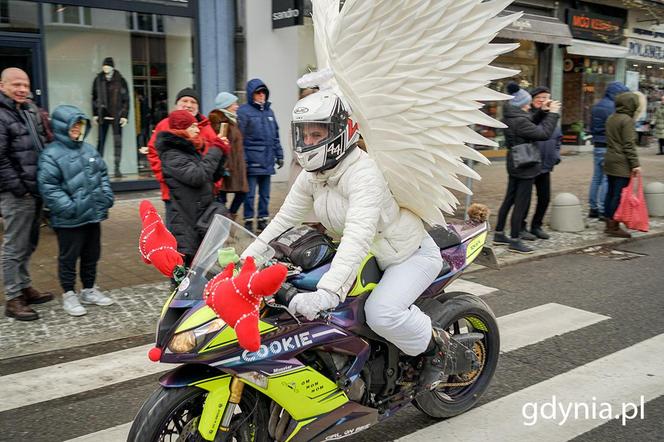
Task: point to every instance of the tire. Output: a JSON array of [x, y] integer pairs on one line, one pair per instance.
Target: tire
[[155, 420], [452, 401]]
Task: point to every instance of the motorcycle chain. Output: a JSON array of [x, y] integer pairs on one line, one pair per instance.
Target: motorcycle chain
[[480, 352]]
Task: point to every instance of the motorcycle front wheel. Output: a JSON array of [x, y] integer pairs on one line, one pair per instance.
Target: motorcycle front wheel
[[172, 415], [463, 313]]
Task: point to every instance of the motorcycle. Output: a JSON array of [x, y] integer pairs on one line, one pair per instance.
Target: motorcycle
[[318, 380]]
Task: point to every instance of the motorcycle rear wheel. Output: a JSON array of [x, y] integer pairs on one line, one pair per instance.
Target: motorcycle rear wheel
[[172, 414], [460, 313]]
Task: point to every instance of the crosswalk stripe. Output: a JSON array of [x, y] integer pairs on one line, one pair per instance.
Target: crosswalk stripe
[[463, 285], [545, 321], [629, 376], [517, 330], [113, 434], [26, 388]]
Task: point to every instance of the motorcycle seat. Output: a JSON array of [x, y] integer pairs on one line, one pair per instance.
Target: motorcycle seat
[[444, 238]]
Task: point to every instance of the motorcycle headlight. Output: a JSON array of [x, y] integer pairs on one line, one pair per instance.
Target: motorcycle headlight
[[186, 341], [182, 342]]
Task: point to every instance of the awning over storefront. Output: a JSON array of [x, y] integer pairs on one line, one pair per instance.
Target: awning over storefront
[[538, 28], [594, 49]]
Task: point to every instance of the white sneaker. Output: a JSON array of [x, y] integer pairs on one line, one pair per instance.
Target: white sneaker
[[94, 296], [71, 305]]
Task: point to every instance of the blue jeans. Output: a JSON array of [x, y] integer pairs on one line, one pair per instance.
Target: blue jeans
[[263, 183], [598, 185]]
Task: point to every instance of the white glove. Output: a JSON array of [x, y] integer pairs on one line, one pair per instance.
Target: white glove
[[96, 120], [123, 121], [311, 304]]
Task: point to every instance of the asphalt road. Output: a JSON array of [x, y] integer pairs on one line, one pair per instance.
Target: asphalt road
[[621, 294]]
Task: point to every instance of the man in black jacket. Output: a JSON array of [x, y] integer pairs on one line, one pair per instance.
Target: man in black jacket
[[521, 130], [20, 146]]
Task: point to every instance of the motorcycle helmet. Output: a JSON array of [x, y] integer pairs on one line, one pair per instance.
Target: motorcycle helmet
[[322, 130]]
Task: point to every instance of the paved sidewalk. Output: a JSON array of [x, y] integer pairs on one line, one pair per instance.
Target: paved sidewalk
[[139, 290]]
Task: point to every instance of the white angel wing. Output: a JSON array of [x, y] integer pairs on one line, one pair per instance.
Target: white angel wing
[[413, 72]]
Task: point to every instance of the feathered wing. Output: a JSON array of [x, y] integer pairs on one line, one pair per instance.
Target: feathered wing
[[413, 72]]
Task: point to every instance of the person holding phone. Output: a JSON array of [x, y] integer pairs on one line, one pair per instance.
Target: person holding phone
[[224, 122], [550, 152]]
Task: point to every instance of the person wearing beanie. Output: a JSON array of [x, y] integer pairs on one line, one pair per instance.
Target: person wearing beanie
[[262, 149], [550, 152], [224, 122], [187, 99], [189, 175], [521, 130]]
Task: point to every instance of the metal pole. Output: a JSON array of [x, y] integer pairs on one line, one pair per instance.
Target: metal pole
[[469, 185]]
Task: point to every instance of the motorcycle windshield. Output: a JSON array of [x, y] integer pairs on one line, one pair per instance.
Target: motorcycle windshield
[[224, 243]]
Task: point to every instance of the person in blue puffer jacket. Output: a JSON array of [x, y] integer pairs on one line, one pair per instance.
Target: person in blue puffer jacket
[[73, 181], [262, 150], [599, 114]]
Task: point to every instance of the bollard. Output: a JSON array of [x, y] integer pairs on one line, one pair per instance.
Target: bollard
[[566, 213], [654, 193]]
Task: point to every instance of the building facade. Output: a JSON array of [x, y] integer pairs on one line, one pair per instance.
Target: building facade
[[156, 46]]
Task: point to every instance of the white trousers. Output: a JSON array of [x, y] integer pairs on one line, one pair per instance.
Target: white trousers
[[389, 309]]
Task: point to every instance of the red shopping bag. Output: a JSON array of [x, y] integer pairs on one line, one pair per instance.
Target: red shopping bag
[[632, 210]]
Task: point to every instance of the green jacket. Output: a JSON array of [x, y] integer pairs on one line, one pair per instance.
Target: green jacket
[[621, 156], [658, 121]]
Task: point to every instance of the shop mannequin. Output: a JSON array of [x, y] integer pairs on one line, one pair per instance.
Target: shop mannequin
[[110, 106]]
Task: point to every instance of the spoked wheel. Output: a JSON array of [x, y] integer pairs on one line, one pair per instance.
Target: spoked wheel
[[172, 415], [463, 313]]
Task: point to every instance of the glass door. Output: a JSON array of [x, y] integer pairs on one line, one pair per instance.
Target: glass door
[[25, 53]]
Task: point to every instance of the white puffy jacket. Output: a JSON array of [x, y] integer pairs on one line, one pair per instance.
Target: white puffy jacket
[[353, 202]]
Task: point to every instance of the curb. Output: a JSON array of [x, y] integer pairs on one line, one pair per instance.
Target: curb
[[550, 254]]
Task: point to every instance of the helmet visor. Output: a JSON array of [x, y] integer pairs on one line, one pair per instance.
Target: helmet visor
[[308, 135]]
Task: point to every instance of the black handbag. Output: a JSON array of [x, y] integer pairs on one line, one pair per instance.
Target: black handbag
[[206, 218], [525, 155]]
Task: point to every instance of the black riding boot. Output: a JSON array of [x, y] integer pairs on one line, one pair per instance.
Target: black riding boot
[[448, 355]]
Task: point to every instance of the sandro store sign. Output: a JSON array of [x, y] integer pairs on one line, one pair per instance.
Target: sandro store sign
[[287, 13]]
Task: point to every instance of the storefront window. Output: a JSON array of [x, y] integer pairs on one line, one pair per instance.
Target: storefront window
[[525, 59], [152, 53], [18, 16], [584, 82]]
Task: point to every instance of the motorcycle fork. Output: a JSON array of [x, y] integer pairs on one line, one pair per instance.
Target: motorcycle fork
[[236, 389]]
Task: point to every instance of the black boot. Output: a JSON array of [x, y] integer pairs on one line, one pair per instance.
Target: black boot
[[261, 224], [249, 224], [448, 355]]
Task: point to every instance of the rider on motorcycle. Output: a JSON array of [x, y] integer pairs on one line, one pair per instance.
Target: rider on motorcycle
[[351, 198]]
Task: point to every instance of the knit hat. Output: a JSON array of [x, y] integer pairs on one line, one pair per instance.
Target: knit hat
[[512, 88], [180, 119], [188, 92], [521, 98], [224, 99], [108, 61], [539, 90]]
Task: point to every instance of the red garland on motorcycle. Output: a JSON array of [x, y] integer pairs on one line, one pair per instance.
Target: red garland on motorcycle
[[156, 244], [236, 300]]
